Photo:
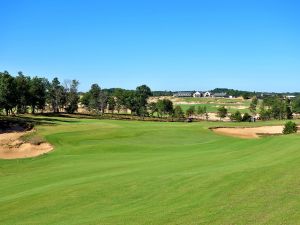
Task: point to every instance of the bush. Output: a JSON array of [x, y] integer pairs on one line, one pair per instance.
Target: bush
[[222, 112], [237, 116], [190, 111], [290, 128], [246, 117], [178, 112]]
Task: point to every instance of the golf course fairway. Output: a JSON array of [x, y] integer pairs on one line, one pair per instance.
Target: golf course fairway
[[133, 172]]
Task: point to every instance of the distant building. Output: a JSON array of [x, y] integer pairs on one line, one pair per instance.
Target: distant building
[[206, 94], [265, 94], [183, 94], [197, 94], [290, 96], [220, 95]]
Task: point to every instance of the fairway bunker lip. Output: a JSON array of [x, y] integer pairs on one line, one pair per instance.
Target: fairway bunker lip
[[13, 147], [249, 132]]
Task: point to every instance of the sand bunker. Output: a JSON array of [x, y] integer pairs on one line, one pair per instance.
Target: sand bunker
[[249, 132], [12, 147]]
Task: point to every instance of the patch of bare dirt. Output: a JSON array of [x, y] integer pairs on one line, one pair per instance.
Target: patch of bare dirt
[[249, 132], [12, 147], [239, 107]]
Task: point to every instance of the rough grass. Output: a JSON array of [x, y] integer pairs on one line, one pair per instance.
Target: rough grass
[[213, 108], [130, 172], [212, 104]]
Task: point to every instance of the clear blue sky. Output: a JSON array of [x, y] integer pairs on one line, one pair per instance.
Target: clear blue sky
[[168, 45]]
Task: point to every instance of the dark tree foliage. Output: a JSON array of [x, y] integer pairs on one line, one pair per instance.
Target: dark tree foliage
[[237, 116], [22, 94], [91, 99], [222, 112], [56, 97], [246, 117], [276, 107], [111, 103], [38, 93], [201, 110], [142, 94], [253, 105], [162, 93], [131, 102], [178, 112], [289, 112], [72, 97], [8, 92], [119, 95], [190, 111], [265, 113], [235, 93], [164, 107], [152, 108], [296, 105]]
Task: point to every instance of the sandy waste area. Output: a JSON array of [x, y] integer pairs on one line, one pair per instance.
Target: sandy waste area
[[250, 132], [12, 147]]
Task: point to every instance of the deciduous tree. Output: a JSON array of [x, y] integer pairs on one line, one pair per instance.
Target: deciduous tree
[[222, 112]]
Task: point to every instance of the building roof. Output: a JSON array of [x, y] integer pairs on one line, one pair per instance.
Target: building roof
[[222, 94]]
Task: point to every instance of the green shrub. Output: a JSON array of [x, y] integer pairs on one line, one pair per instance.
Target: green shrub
[[190, 111], [237, 116], [222, 112], [178, 112], [290, 128], [246, 117]]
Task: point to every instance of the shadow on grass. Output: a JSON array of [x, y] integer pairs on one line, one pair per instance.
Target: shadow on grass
[[25, 123]]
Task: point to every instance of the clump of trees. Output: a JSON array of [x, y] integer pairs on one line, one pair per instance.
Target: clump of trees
[[238, 117], [23, 94], [222, 112], [235, 93], [276, 107], [271, 107], [178, 112], [190, 111], [201, 111], [253, 105], [164, 107], [97, 100], [296, 105]]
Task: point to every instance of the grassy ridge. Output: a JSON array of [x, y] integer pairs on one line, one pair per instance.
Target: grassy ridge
[[130, 172]]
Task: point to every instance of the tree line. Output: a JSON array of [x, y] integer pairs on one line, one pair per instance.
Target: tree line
[[22, 94], [271, 107]]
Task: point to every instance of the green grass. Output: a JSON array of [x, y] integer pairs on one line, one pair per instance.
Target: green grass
[[213, 108], [214, 100], [129, 172], [212, 104]]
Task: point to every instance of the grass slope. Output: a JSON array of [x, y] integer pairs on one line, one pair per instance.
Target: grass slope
[[121, 172]]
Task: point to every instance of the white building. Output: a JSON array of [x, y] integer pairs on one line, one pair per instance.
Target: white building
[[206, 94], [290, 96], [197, 94]]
